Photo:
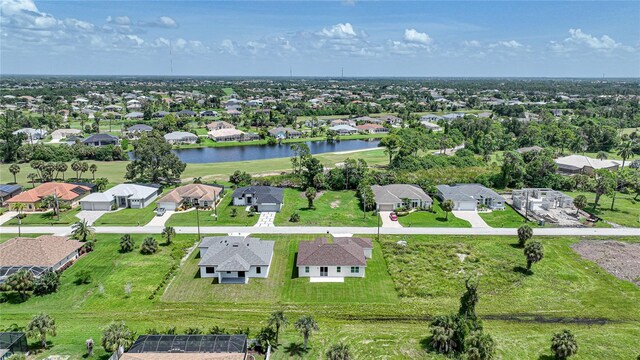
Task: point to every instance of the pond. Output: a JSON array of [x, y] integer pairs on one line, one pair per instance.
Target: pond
[[262, 152]]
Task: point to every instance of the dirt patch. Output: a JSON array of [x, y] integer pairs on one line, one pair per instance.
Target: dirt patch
[[619, 259], [335, 204]]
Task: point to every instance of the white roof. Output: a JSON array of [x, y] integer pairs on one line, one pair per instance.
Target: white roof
[[177, 135], [225, 132], [343, 127], [133, 191], [580, 161]]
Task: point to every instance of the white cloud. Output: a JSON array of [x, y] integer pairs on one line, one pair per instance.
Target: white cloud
[[413, 36], [578, 39], [472, 43], [162, 22], [511, 44], [229, 46], [119, 20], [339, 31], [349, 2]]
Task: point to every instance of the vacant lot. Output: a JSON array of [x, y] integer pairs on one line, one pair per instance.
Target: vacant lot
[[620, 259], [626, 211], [507, 218], [332, 208], [437, 218]]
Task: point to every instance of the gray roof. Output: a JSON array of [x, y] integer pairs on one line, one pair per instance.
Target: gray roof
[[262, 194], [467, 192], [179, 135], [6, 189], [394, 193], [139, 127], [100, 137], [342, 252], [235, 253], [275, 131]]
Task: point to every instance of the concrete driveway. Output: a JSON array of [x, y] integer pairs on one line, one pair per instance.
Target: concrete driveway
[[160, 220], [387, 222], [90, 216], [472, 217], [7, 216], [266, 219]]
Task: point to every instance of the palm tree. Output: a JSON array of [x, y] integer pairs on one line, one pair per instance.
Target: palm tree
[[126, 243], [580, 202], [278, 319], [564, 344], [306, 325], [479, 346], [524, 234], [117, 335], [61, 168], [310, 193], [32, 177], [149, 246], [168, 232], [21, 282], [101, 183], [18, 207], [76, 166], [93, 168], [41, 325], [447, 206], [82, 230], [84, 167], [14, 169], [197, 180], [601, 155], [625, 151], [339, 351], [442, 334], [534, 252]]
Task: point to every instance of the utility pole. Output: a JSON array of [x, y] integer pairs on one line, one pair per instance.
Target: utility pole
[[364, 205], [198, 219]]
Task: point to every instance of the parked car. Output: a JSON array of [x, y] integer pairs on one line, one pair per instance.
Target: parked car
[[393, 217], [160, 211]]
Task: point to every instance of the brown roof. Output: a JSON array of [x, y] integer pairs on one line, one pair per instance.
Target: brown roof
[[342, 252], [45, 250], [182, 356], [63, 191], [369, 126], [192, 191]]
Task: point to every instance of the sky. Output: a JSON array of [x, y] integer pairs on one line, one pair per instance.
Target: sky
[[321, 38]]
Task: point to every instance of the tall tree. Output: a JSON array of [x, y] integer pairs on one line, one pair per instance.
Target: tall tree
[[447, 207], [391, 144], [93, 168], [279, 320], [14, 169], [626, 151], [42, 325], [117, 335], [154, 160], [168, 233], [564, 344], [580, 202], [469, 299], [310, 193], [525, 232], [76, 166], [82, 230], [512, 170], [306, 325], [604, 183]]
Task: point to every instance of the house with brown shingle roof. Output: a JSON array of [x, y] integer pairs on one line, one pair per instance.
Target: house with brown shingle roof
[[344, 257], [372, 128], [38, 255], [204, 195], [65, 192]]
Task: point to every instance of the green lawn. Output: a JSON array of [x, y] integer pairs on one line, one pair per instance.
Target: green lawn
[[332, 208], [429, 219], [521, 312], [228, 91], [188, 218], [67, 217], [626, 210], [128, 217], [507, 218]]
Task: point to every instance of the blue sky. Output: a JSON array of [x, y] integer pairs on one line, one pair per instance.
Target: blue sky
[[366, 38]]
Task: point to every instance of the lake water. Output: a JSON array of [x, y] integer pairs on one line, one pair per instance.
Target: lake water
[[261, 152]]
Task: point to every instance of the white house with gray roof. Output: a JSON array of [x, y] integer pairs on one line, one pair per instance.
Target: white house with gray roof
[[135, 196], [180, 137], [469, 197], [394, 196], [235, 259]]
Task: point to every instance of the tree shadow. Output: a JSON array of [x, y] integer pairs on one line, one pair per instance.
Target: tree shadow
[[425, 343], [441, 219], [13, 298], [295, 349], [294, 271], [516, 246], [546, 357], [522, 270]]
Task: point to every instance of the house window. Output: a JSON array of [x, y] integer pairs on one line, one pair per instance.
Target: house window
[[338, 269], [355, 269], [258, 270], [228, 272], [210, 269], [306, 269]]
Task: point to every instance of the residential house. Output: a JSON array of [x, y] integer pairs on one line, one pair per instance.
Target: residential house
[[453, 116], [431, 117], [134, 115], [470, 197], [202, 194], [71, 140], [135, 196], [37, 255], [218, 125], [344, 257], [226, 134], [31, 134], [344, 129], [188, 347], [160, 114], [342, 122], [234, 112], [186, 113], [390, 119], [394, 196], [7, 191], [264, 198], [101, 140], [431, 126], [66, 193], [524, 150], [235, 259], [284, 133], [64, 133], [180, 137], [540, 198], [111, 115], [211, 113], [368, 120], [580, 164], [135, 131], [372, 129]]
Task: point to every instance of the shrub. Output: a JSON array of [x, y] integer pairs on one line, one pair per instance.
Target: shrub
[[149, 246], [83, 277], [295, 217], [47, 283]]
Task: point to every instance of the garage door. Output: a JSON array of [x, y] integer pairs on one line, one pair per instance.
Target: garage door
[[385, 207], [466, 205]]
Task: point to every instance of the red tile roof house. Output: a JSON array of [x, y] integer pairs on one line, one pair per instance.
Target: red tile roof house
[[344, 257], [38, 255], [66, 194], [372, 128]]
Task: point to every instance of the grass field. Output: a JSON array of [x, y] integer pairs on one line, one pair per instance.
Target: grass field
[[228, 91], [332, 208], [47, 219], [626, 211], [520, 311], [188, 218], [507, 218], [429, 219], [131, 217]]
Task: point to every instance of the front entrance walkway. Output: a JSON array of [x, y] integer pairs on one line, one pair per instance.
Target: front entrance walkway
[[266, 219], [326, 279], [472, 217], [387, 222]]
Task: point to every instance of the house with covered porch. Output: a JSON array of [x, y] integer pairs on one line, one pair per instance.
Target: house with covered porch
[[235, 259]]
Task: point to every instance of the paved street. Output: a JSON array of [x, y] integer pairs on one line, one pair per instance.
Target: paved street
[[333, 230]]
